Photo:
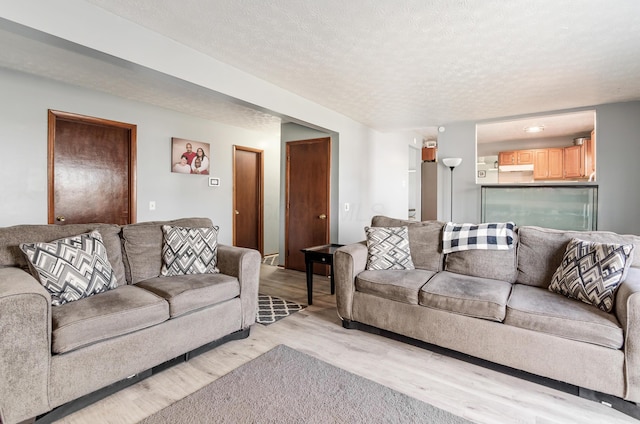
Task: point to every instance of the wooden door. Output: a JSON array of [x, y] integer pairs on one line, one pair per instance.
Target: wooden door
[[308, 172], [248, 198], [91, 166]]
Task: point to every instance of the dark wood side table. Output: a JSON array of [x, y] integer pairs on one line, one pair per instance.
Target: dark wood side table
[[322, 254]]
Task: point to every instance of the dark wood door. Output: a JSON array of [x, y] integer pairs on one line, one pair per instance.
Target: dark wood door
[[307, 198], [248, 217], [91, 170]]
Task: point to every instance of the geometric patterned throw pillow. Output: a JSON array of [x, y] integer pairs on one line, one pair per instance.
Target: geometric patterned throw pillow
[[189, 251], [591, 272], [71, 268], [388, 248]]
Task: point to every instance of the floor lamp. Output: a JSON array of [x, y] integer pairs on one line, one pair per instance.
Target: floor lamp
[[451, 163]]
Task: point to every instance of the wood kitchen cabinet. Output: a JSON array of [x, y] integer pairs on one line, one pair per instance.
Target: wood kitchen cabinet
[[590, 155], [548, 164], [524, 157], [515, 157], [556, 163], [507, 158], [573, 161]]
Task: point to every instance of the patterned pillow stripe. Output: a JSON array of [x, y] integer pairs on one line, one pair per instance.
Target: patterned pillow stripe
[[71, 268], [388, 248], [189, 250], [488, 236], [591, 272]]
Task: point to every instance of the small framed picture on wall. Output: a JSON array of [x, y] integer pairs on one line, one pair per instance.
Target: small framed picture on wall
[[190, 157]]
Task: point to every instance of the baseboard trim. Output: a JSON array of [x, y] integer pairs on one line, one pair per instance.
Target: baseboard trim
[[626, 407], [84, 401]]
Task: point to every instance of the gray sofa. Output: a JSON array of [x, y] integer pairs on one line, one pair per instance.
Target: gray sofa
[[52, 355], [496, 306]]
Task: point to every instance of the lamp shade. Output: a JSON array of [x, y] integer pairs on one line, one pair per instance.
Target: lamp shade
[[452, 162]]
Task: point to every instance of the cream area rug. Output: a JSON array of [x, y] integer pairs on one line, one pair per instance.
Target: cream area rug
[[287, 386]]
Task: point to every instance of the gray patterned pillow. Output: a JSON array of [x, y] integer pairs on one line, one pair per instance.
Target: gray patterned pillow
[[189, 250], [71, 268], [591, 272], [388, 248]]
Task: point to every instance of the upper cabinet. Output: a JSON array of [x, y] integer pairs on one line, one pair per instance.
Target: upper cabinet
[[517, 157], [548, 164]]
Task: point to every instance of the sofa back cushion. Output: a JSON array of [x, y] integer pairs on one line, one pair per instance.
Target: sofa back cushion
[[491, 264], [143, 246], [540, 251], [11, 237], [425, 240]]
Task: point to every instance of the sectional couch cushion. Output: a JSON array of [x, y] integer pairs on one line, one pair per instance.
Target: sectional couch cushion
[[388, 248], [399, 285], [143, 246], [187, 293], [189, 250], [540, 251], [424, 240], [538, 309], [12, 237], [491, 264], [114, 313], [71, 268], [466, 295]]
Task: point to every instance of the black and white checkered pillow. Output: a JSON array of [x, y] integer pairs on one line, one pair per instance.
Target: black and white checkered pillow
[[388, 248], [189, 251], [71, 268], [489, 236], [591, 272]]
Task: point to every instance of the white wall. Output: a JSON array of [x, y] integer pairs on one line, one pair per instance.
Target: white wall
[[92, 27], [23, 148]]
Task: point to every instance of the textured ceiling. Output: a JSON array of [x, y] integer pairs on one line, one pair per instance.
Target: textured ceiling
[[410, 64]]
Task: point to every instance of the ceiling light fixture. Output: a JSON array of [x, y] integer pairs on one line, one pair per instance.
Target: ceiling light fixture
[[534, 129]]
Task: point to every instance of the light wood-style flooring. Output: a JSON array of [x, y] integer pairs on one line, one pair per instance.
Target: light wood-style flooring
[[476, 393]]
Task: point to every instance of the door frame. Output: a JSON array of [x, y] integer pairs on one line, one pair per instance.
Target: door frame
[[53, 117], [260, 189], [286, 191]]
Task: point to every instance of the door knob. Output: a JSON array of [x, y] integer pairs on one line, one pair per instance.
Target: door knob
[[237, 213], [323, 216], [60, 218]]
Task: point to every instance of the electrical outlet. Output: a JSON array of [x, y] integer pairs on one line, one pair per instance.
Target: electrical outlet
[[152, 205]]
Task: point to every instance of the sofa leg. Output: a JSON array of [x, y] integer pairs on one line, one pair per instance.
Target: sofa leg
[[349, 325], [629, 408]]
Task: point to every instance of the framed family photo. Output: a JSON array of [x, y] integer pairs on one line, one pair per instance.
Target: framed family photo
[[190, 157]]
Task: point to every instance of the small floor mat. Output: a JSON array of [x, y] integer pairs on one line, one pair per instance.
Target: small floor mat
[[271, 309], [271, 260]]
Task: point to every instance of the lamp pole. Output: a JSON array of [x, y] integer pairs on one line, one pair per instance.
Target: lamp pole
[[451, 163]]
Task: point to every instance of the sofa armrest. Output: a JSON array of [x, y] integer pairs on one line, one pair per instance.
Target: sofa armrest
[[25, 345], [627, 309], [244, 264], [348, 262]]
